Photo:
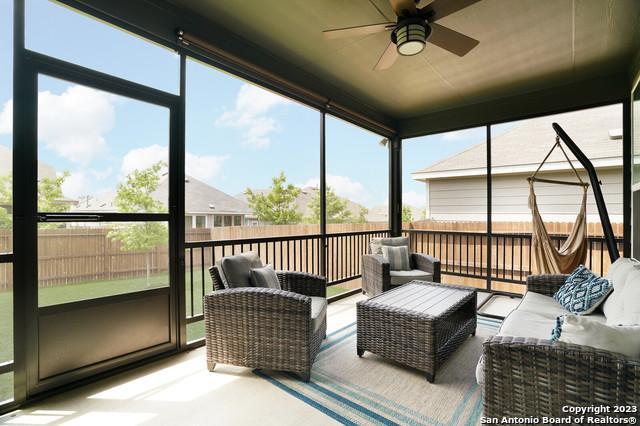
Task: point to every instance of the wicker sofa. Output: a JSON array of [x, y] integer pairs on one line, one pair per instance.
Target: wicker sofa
[[377, 276], [277, 329], [525, 374]]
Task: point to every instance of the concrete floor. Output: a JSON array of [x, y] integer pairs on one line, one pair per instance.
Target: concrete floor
[[179, 391]]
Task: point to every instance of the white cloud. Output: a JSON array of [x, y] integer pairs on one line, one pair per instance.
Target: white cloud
[[414, 199], [6, 118], [250, 115], [72, 124], [342, 186], [75, 185], [143, 158], [202, 167]]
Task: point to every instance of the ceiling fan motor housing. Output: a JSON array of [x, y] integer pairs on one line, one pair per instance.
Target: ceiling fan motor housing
[[410, 35]]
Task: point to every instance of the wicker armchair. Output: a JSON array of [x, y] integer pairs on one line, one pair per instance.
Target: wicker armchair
[[535, 377], [264, 327], [376, 275]]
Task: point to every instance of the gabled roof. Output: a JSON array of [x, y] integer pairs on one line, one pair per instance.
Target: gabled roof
[[200, 198], [523, 147]]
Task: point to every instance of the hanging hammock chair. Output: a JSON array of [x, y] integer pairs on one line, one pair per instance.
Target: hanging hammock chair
[[547, 258]]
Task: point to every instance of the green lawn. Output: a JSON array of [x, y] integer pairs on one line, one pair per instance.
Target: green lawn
[[88, 290]]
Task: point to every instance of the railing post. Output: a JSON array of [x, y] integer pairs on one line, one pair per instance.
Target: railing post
[[395, 186]]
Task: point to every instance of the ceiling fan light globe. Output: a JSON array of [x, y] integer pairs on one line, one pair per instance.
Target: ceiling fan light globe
[[410, 37], [410, 48]]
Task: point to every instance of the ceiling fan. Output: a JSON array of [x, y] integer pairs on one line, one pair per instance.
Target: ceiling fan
[[414, 27]]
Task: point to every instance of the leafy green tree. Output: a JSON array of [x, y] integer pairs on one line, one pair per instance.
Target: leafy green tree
[[337, 209], [407, 214], [362, 215], [50, 198], [135, 196], [6, 200], [278, 206]]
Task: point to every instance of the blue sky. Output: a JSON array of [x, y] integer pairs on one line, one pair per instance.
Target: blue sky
[[238, 135]]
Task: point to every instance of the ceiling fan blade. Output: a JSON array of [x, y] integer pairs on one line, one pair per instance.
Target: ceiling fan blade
[[404, 8], [441, 8], [387, 58], [359, 30], [453, 41]]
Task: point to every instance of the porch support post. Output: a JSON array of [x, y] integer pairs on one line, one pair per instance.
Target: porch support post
[[395, 186], [323, 197], [627, 161]]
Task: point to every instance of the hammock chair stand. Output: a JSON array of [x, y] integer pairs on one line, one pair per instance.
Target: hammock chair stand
[[595, 183]]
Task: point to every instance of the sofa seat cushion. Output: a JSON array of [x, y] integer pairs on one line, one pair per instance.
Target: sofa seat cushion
[[541, 304], [403, 277], [318, 311], [527, 324]]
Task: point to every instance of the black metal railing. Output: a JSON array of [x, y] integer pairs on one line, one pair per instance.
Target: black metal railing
[[304, 253], [464, 254]]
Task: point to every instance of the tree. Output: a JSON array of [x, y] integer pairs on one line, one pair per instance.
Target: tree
[[407, 214], [278, 206], [337, 209], [135, 196], [50, 198]]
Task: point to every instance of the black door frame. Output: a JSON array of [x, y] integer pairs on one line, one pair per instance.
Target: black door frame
[[28, 65]]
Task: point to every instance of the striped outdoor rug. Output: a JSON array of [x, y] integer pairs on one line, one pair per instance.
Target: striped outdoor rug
[[375, 391]]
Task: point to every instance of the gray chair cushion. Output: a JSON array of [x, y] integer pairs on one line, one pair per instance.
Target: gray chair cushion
[[237, 269], [376, 244], [318, 311], [403, 277], [398, 257], [265, 277]]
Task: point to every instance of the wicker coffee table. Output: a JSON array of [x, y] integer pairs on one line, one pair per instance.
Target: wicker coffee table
[[418, 324]]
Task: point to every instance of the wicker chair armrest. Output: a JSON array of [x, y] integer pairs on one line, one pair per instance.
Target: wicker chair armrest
[[375, 263], [537, 377], [427, 263], [303, 283], [546, 284]]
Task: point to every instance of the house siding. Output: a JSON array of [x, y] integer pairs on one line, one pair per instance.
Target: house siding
[[465, 198]]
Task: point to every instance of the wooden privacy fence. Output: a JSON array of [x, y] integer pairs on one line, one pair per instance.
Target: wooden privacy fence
[[74, 255]]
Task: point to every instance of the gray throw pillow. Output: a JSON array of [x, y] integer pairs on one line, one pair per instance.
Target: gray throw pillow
[[265, 277], [377, 243], [398, 257], [237, 269]]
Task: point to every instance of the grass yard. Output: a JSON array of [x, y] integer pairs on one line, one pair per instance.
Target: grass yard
[[88, 290]]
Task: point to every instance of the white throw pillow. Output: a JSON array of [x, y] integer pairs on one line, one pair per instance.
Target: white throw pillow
[[619, 271], [631, 299], [582, 330]]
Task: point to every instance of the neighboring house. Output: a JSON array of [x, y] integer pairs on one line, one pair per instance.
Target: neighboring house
[[456, 186], [205, 206]]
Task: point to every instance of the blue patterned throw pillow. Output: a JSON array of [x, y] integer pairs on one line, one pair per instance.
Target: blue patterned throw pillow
[[583, 291]]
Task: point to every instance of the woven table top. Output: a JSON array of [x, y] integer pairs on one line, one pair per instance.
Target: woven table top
[[422, 297]]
